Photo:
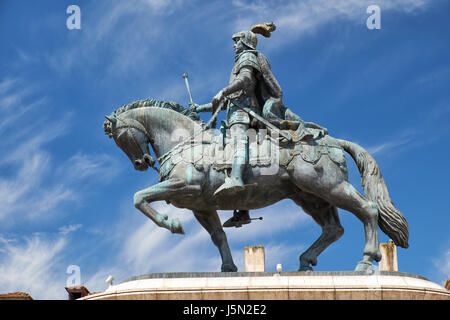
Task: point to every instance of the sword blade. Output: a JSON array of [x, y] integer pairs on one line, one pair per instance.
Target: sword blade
[[264, 121], [214, 116]]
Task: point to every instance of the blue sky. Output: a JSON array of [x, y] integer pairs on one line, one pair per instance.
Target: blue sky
[[66, 190]]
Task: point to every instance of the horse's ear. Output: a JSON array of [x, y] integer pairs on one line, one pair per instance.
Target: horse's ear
[[112, 120]]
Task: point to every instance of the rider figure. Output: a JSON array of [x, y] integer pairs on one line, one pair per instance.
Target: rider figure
[[241, 90], [251, 86]]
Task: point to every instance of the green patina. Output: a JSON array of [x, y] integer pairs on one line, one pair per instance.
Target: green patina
[[150, 103], [309, 169]]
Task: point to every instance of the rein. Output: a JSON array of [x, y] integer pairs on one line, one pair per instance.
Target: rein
[[138, 126]]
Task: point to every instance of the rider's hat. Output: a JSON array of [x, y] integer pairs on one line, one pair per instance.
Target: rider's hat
[[249, 37]]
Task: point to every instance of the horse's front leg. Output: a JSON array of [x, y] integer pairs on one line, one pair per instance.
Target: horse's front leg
[[211, 222], [163, 191]]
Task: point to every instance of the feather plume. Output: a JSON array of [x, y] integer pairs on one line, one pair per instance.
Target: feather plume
[[264, 28]]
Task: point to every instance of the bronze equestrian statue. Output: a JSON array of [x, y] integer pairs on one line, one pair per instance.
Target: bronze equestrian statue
[[253, 164]]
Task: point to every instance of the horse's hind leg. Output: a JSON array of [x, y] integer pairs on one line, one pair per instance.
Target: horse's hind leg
[[211, 222], [327, 217], [345, 196]]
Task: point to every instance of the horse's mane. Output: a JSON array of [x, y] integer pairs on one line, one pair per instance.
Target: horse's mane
[[153, 104]]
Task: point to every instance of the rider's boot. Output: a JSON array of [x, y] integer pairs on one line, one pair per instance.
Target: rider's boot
[[234, 183], [239, 218]]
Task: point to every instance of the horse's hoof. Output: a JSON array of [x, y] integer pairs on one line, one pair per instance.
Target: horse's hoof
[[229, 268], [176, 227], [364, 266], [305, 268]]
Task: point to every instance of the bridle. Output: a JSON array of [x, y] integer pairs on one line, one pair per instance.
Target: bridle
[[134, 124]]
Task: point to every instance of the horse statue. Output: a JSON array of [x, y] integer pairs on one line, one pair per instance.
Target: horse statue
[[313, 173]]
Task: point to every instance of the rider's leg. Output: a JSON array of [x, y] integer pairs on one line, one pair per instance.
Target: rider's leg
[[273, 111], [240, 143], [239, 218]]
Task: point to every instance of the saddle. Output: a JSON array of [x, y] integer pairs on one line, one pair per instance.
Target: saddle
[[310, 142]]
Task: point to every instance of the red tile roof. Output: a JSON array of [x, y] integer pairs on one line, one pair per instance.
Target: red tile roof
[[15, 296]]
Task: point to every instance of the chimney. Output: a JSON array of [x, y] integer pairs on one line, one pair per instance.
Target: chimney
[[388, 257], [254, 259], [76, 292]]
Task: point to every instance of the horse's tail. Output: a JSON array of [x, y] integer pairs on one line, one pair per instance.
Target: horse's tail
[[390, 219]]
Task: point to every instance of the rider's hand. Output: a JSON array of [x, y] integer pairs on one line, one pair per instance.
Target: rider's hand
[[217, 99], [194, 107]]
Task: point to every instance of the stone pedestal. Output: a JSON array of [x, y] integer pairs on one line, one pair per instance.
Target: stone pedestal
[[346, 285]]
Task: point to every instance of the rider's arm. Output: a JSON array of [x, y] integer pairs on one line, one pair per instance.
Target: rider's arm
[[243, 80], [204, 107]]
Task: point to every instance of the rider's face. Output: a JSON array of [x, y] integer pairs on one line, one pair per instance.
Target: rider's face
[[238, 45]]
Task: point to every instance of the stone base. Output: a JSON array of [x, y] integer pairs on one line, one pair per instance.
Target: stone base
[[310, 285]]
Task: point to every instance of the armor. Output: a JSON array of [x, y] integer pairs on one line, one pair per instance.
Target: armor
[[247, 37], [241, 87], [246, 95], [264, 95], [247, 58], [252, 86]]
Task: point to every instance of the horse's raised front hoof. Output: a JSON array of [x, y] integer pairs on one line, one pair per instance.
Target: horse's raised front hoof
[[305, 268], [176, 227], [229, 268], [365, 266]]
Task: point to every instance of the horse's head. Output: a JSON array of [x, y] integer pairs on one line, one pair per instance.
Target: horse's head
[[132, 137]]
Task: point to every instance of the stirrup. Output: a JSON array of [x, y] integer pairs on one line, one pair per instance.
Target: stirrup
[[238, 219]]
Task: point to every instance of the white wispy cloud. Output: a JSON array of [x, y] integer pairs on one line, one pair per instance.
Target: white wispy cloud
[[126, 29], [132, 38], [148, 248], [5, 240], [6, 84], [142, 247], [276, 253], [31, 182], [82, 167], [388, 146], [442, 266], [297, 18], [96, 282], [64, 230], [25, 193], [38, 184], [278, 218], [33, 267]]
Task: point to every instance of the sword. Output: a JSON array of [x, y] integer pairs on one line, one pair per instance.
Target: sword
[[285, 135], [215, 113], [185, 76], [214, 116]]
